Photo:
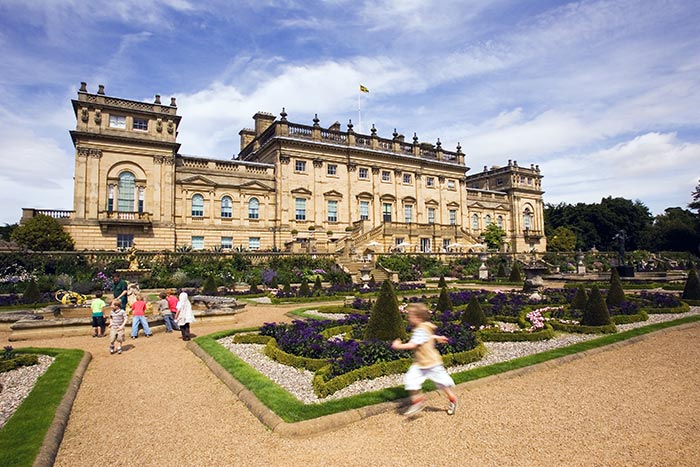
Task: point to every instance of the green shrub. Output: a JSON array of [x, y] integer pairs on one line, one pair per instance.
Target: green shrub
[[488, 335], [317, 285], [304, 290], [501, 270], [444, 303], [442, 283], [616, 296], [31, 293], [691, 291], [287, 287], [596, 312], [18, 361], [474, 314], [515, 275], [580, 299], [385, 321], [209, 286]]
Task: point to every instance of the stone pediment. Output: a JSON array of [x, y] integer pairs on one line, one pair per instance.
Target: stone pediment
[[387, 196], [431, 202], [333, 194], [301, 191], [452, 204], [477, 205], [255, 185], [365, 195], [199, 180]]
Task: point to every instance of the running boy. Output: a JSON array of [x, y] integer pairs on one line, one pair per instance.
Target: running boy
[[117, 321], [427, 362]]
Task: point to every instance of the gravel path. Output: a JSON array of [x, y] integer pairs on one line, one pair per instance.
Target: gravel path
[[633, 405], [17, 384]]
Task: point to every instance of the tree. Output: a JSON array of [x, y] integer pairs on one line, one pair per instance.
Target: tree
[[442, 283], [691, 291], [444, 303], [615, 293], [596, 312], [385, 321], [474, 314], [209, 286], [494, 236], [695, 195], [31, 293], [674, 230], [42, 233], [304, 290], [317, 285], [6, 231], [580, 299], [562, 239], [515, 275]]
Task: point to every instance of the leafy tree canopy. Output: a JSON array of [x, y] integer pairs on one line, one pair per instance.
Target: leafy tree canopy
[[562, 239], [42, 233], [494, 236]]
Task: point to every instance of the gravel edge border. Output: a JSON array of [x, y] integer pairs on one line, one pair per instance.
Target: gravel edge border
[[332, 422], [54, 435]]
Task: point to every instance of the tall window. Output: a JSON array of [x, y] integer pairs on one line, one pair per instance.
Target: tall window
[[332, 211], [226, 207], [125, 241], [226, 243], [475, 222], [363, 173], [499, 221], [127, 188], [425, 245], [431, 215], [141, 196], [300, 166], [487, 220], [253, 243], [197, 206], [110, 198], [253, 208], [300, 205], [197, 242], [527, 218], [453, 216], [364, 210], [408, 213], [445, 243], [386, 212]]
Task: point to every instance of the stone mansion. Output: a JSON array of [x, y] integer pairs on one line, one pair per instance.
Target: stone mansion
[[292, 187]]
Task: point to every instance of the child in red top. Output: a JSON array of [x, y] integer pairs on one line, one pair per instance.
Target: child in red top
[[138, 316], [172, 304]]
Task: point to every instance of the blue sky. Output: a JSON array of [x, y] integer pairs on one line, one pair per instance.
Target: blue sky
[[603, 95]]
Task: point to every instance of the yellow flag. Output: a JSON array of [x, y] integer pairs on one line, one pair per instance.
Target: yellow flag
[[363, 89]]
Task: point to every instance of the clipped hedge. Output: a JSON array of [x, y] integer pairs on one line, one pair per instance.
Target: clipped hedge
[[18, 361], [334, 331], [488, 335], [626, 319], [582, 329], [251, 339], [279, 355], [683, 308], [691, 302]]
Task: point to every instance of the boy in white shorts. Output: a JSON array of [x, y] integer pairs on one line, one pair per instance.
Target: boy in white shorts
[[117, 322], [427, 362]]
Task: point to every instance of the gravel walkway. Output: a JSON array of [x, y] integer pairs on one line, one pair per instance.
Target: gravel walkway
[[633, 405], [17, 384]]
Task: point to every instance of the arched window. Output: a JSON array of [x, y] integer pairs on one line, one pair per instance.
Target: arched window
[[226, 210], [475, 222], [197, 205], [127, 191], [499, 221], [253, 208], [527, 218], [487, 220]]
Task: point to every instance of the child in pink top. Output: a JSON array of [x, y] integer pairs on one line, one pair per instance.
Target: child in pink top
[[138, 316]]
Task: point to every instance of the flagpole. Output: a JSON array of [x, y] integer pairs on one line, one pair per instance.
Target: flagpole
[[359, 112]]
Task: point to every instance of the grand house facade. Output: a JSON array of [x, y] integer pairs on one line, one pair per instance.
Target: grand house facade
[[291, 187]]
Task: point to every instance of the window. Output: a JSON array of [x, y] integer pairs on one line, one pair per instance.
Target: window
[[332, 169], [363, 173], [408, 213], [226, 243], [386, 176], [527, 218], [117, 121], [125, 241], [386, 212], [253, 243], [529, 180], [253, 208], [430, 182], [431, 215], [332, 211], [475, 222], [499, 181], [364, 210], [453, 216], [407, 179], [499, 221], [300, 166], [197, 242], [398, 241], [140, 124], [425, 245], [197, 206], [450, 184], [226, 210], [445, 243], [487, 220], [110, 198], [141, 196], [300, 205], [127, 187]]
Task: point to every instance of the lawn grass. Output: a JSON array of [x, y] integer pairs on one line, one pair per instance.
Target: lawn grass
[[22, 307], [23, 434], [292, 410]]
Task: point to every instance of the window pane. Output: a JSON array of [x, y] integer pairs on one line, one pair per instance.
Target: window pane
[[363, 173], [125, 240], [140, 124], [332, 169], [254, 243], [127, 188], [226, 243], [253, 208], [499, 221], [430, 181], [475, 222], [408, 213], [332, 211], [487, 220], [197, 242], [431, 215], [300, 166], [453, 217], [197, 206], [300, 204], [117, 121], [364, 210], [386, 212], [386, 176], [226, 210]]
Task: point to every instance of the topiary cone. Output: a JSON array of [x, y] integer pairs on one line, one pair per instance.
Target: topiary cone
[[596, 312], [616, 296], [691, 291], [580, 298], [473, 315], [515, 275], [385, 321], [444, 303]]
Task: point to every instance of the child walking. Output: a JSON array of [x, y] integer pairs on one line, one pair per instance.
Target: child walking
[[164, 309], [117, 321], [98, 319], [184, 315], [138, 315], [427, 362]]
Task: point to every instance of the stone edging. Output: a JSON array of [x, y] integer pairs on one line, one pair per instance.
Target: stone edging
[[332, 422], [54, 435]]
